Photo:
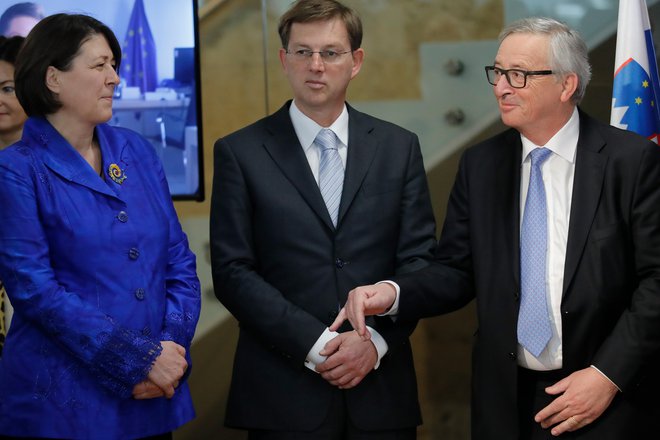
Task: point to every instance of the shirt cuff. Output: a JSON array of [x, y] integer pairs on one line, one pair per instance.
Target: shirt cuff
[[380, 344], [605, 376], [394, 310], [313, 357]]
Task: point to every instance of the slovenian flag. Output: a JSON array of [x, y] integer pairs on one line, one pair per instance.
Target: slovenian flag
[[636, 86]]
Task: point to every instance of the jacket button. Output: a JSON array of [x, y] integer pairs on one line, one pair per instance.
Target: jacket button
[[139, 293], [513, 356], [122, 216], [339, 263], [133, 253]]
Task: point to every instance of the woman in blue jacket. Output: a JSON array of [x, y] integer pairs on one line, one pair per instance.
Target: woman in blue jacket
[[95, 262]]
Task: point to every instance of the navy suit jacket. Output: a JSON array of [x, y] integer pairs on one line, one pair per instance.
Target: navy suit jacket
[[282, 268], [611, 296]]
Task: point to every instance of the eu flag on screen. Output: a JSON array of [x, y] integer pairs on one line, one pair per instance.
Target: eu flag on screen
[[636, 86], [138, 64]]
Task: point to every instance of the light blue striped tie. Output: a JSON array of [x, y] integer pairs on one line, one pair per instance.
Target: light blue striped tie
[[534, 330], [331, 171]]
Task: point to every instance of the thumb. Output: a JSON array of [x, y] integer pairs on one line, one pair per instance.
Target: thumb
[[558, 387], [331, 346]]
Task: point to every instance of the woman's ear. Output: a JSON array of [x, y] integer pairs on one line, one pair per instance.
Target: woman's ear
[[53, 79]]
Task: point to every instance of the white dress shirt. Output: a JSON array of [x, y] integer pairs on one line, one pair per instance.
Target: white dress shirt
[[558, 174], [307, 130]]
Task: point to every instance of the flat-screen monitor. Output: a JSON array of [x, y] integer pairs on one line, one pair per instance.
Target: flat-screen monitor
[[159, 93]]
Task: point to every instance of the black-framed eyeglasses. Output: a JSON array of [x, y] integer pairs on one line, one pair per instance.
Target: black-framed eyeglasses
[[517, 78], [328, 56]]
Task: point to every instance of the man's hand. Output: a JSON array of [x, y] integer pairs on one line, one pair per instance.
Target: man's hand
[[169, 367], [350, 359], [365, 301], [147, 390], [584, 396]]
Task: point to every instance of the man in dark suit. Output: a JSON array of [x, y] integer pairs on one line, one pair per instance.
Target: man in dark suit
[[584, 364], [284, 258]]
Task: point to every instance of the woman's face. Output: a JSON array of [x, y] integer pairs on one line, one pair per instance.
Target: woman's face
[[86, 89], [12, 115]]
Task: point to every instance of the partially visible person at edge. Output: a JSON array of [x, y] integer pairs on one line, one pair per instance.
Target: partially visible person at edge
[[568, 307], [286, 249], [95, 262], [12, 118], [20, 18]]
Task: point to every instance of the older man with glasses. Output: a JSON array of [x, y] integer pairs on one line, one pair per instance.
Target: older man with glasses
[[556, 222]]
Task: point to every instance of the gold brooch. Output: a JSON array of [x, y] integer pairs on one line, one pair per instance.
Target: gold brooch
[[116, 173]]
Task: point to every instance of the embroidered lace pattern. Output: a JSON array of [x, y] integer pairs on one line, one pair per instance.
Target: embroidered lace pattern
[[179, 327], [125, 358]]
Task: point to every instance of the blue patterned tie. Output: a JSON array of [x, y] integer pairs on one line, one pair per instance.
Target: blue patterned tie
[[534, 330], [331, 171]]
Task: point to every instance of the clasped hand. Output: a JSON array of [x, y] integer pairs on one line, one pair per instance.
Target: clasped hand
[[349, 359], [165, 373]]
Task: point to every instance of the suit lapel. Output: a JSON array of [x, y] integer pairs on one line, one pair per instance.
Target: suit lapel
[[285, 149], [361, 152], [587, 187], [508, 182]]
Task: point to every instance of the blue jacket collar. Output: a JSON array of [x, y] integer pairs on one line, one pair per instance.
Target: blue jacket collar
[[58, 155]]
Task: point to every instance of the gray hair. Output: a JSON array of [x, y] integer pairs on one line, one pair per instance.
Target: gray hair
[[568, 51]]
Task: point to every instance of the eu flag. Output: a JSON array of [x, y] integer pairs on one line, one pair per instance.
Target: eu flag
[[636, 85], [138, 64]]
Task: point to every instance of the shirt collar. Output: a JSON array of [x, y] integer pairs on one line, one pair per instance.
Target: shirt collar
[[306, 129], [563, 143]]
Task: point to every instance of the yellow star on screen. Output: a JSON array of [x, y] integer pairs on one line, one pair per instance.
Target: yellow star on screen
[[645, 83], [638, 101]]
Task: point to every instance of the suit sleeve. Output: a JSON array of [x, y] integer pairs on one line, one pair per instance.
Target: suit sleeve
[[636, 337], [255, 303], [444, 285], [416, 245]]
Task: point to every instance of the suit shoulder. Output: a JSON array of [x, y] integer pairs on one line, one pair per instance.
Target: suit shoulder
[[377, 123], [621, 146], [495, 145], [618, 138], [248, 135]]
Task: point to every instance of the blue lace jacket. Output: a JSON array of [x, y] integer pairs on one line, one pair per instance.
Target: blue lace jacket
[[99, 271]]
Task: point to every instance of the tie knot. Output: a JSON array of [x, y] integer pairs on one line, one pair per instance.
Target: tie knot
[[539, 155], [326, 139]]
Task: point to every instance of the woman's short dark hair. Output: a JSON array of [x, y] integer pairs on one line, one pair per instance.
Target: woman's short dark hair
[[9, 48], [54, 41]]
